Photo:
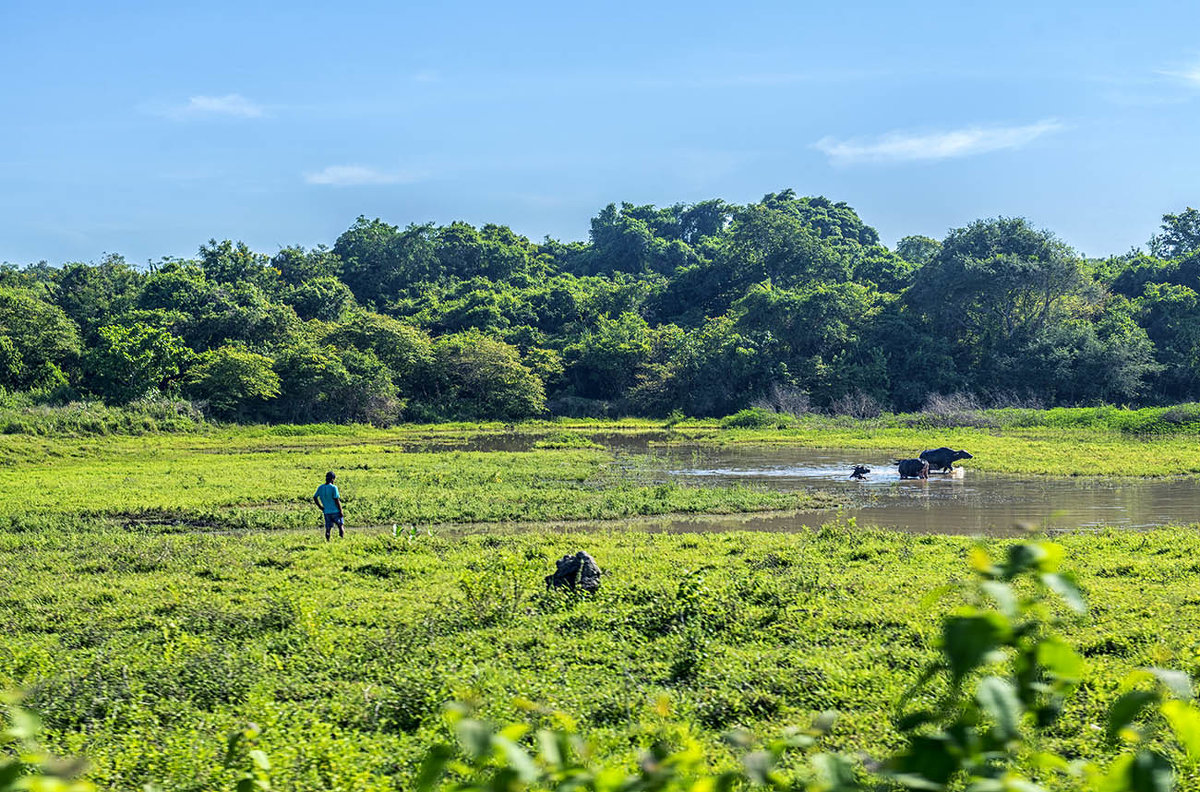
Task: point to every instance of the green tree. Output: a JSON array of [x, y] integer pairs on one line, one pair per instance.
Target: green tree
[[406, 351], [836, 222], [995, 288], [607, 359], [227, 262], [129, 362], [1170, 314], [768, 242], [323, 383], [379, 261], [325, 298], [91, 294], [478, 377], [713, 370], [208, 315], [40, 342], [1180, 235], [918, 250], [297, 265], [817, 336], [234, 381]]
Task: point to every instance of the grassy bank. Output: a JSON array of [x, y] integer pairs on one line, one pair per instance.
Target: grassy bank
[[1038, 450], [144, 650], [1091, 441], [264, 478]]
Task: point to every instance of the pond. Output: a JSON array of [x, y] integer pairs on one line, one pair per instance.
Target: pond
[[965, 502]]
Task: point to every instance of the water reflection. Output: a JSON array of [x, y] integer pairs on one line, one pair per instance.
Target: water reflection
[[969, 501]]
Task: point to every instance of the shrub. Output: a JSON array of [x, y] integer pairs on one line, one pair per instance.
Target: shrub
[[756, 418], [232, 380]]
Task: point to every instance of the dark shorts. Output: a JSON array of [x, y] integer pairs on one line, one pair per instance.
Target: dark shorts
[[332, 520]]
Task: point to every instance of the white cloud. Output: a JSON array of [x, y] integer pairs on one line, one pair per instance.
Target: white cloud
[[228, 105], [1190, 75], [907, 146], [427, 76], [354, 175]]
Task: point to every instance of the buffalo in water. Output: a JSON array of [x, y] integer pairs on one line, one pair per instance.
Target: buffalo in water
[[913, 468], [943, 459], [859, 472]]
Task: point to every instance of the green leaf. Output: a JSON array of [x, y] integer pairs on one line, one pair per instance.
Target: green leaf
[[968, 640], [1063, 662], [551, 750], [1006, 601], [1045, 760], [1064, 586], [912, 720], [758, 765], [475, 737], [1021, 558], [986, 785], [1150, 772], [25, 724], [1050, 558], [997, 698], [432, 768], [260, 760], [517, 759], [1021, 785], [231, 747], [928, 763], [932, 597], [836, 773], [9, 773], [1126, 709], [1184, 719], [1179, 683]]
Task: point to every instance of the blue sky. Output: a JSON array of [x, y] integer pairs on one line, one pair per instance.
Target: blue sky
[[146, 128]]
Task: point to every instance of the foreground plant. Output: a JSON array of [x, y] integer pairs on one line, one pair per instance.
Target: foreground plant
[[1004, 675], [28, 767]]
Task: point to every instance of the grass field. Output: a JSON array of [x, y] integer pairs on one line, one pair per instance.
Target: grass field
[[262, 478], [145, 630], [143, 651]]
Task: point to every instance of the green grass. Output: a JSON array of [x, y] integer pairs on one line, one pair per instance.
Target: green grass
[[265, 478], [144, 650], [145, 636]]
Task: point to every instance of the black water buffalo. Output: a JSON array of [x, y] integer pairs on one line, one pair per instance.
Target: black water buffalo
[[943, 458], [859, 472], [913, 468]]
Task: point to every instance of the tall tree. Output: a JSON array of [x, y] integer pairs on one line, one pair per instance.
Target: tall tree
[[1180, 235]]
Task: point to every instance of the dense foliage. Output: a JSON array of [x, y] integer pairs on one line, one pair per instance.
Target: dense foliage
[[790, 303]]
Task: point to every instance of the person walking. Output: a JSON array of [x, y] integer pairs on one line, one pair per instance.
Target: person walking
[[330, 501]]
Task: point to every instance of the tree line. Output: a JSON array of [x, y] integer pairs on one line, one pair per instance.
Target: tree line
[[703, 309]]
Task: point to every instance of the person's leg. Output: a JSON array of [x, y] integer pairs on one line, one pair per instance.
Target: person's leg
[[341, 526], [328, 526]]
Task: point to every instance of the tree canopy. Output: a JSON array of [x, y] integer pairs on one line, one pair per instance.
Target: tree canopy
[[705, 308]]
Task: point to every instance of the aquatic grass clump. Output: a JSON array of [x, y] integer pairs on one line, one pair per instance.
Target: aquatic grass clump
[[756, 418]]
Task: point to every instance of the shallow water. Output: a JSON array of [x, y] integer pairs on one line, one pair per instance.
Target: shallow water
[[967, 501]]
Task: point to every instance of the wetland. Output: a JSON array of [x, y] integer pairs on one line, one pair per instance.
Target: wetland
[[163, 590]]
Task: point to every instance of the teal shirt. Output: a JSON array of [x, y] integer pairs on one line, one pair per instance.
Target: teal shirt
[[327, 492]]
